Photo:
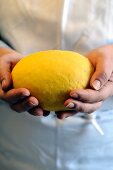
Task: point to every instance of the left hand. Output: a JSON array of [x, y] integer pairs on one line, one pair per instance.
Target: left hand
[[89, 100]]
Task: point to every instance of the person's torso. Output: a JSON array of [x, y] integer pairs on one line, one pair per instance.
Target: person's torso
[[28, 142], [35, 25]]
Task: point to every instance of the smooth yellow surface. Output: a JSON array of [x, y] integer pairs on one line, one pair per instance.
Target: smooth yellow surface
[[51, 75]]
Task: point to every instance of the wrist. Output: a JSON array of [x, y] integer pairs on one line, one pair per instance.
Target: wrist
[[4, 51]]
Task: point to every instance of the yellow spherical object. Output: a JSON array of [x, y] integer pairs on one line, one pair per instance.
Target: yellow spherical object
[[51, 75]]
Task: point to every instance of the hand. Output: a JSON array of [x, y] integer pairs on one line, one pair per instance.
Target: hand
[[89, 100], [18, 99]]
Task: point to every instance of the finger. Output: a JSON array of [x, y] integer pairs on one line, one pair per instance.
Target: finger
[[25, 105], [36, 111], [46, 113], [65, 114], [5, 75], [14, 95], [79, 106], [9, 60], [91, 96], [101, 75]]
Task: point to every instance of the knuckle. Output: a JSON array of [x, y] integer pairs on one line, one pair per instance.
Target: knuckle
[[80, 107], [104, 76], [83, 98], [83, 108], [86, 96]]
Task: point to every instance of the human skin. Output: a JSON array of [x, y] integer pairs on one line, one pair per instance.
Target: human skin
[[19, 99], [87, 101]]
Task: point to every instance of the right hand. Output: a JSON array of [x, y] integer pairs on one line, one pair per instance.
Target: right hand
[[19, 99]]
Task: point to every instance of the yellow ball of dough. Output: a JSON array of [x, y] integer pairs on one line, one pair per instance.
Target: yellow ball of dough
[[51, 75]]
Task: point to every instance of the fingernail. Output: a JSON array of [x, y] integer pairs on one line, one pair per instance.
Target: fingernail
[[70, 105], [26, 94], [34, 104], [73, 94], [39, 112], [96, 84]]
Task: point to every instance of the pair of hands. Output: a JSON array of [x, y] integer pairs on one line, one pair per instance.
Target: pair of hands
[[87, 101]]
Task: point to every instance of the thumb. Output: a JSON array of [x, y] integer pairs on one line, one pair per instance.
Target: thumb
[[5, 76], [100, 77]]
